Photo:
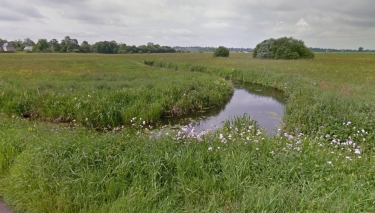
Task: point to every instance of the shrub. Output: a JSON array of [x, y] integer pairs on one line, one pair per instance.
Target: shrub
[[282, 48], [221, 52]]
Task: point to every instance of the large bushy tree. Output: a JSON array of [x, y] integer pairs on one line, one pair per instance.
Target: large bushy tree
[[282, 48], [69, 45], [85, 47], [221, 52], [42, 46], [54, 45], [107, 47]]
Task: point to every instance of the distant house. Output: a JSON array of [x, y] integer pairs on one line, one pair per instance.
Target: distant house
[[7, 47], [28, 48]]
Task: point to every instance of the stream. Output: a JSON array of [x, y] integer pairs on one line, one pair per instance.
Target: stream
[[263, 104]]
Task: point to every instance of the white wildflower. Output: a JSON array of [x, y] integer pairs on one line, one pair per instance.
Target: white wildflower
[[223, 140]]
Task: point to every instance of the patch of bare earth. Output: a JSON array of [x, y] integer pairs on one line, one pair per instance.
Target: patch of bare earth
[[4, 208]]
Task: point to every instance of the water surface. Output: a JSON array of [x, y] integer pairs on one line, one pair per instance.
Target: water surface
[[263, 104]]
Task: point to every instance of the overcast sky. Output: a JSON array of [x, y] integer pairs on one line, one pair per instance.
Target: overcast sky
[[341, 24]]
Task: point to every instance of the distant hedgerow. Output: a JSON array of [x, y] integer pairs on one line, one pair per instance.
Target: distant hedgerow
[[282, 48], [221, 52]]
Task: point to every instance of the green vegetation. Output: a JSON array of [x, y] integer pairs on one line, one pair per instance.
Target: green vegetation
[[221, 52], [100, 93], [71, 45], [282, 48], [322, 160]]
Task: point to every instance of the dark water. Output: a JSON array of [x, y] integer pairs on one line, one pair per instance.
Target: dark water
[[263, 104]]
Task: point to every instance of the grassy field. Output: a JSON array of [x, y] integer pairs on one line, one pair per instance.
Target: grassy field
[[56, 160]]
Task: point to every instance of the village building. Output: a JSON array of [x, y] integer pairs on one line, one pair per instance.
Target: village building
[[28, 48], [7, 47]]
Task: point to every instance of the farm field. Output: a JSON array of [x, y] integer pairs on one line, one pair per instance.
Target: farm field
[[77, 134]]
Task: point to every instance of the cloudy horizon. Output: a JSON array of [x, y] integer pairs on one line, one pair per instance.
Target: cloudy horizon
[[236, 23]]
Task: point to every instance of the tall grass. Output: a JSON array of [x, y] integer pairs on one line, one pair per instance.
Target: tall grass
[[101, 93], [236, 169], [327, 100]]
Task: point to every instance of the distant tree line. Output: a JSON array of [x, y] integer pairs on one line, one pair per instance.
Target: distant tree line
[[71, 45], [209, 49], [360, 49]]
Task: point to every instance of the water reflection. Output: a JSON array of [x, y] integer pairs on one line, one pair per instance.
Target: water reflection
[[263, 104]]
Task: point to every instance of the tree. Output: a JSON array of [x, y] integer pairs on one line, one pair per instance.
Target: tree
[[18, 44], [122, 48], [360, 49], [69, 45], [54, 45], [42, 46], [85, 47], [282, 48], [221, 52], [108, 47], [143, 49], [28, 42]]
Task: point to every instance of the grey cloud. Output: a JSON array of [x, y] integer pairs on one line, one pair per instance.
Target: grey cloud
[[7, 16], [23, 11], [195, 22]]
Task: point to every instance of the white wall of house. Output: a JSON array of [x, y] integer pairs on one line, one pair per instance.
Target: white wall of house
[[28, 48], [7, 47]]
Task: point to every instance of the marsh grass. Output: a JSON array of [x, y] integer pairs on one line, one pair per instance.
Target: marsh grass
[[105, 92], [327, 91], [57, 169], [320, 161]]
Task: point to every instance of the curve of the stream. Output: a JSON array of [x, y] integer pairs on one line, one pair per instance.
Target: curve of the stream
[[263, 104]]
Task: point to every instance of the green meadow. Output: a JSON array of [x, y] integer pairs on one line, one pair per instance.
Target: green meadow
[[78, 134]]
